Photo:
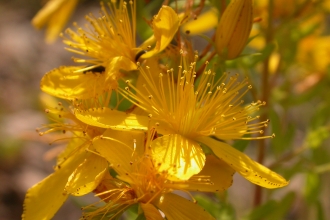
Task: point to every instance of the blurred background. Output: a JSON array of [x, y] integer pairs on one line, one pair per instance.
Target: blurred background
[[25, 158], [292, 46]]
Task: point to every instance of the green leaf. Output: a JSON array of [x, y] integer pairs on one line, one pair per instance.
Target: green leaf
[[283, 207], [316, 137], [320, 213], [273, 210], [321, 115], [217, 208], [241, 145], [284, 134], [262, 211], [312, 188]]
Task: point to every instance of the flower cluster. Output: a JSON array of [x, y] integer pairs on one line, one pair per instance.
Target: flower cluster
[[173, 135]]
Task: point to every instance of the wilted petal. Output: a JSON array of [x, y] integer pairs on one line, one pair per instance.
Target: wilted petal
[[177, 208], [244, 165], [165, 25], [177, 155], [87, 176]]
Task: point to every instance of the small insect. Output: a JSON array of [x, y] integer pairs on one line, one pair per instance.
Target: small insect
[[139, 54], [98, 69]]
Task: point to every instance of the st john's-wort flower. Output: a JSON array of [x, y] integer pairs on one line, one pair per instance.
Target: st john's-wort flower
[[188, 115], [107, 47], [77, 171], [140, 181]]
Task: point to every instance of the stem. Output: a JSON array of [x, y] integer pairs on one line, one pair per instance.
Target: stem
[[199, 9], [265, 92], [289, 156], [202, 68], [206, 49]]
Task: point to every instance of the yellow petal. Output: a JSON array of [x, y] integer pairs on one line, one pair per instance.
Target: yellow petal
[[87, 176], [72, 148], [44, 199], [64, 83], [177, 208], [165, 25], [151, 212], [117, 153], [108, 118], [134, 139], [43, 15], [203, 23], [116, 64], [59, 19], [244, 165], [177, 155], [215, 176], [108, 183]]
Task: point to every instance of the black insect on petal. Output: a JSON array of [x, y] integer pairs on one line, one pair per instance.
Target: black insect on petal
[[139, 54], [98, 69]]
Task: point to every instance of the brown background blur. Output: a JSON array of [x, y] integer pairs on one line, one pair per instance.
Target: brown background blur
[[24, 59]]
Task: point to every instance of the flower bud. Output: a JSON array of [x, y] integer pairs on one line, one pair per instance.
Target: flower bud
[[234, 28]]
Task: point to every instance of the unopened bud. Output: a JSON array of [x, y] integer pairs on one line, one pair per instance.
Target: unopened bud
[[234, 28]]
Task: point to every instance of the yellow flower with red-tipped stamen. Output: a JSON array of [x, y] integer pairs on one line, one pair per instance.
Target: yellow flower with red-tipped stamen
[[188, 115], [140, 181]]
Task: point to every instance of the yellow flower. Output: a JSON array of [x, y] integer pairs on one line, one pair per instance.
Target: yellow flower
[[205, 22], [140, 180], [292, 9], [187, 116], [78, 175], [234, 29], [55, 14], [108, 51], [313, 53], [77, 171]]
